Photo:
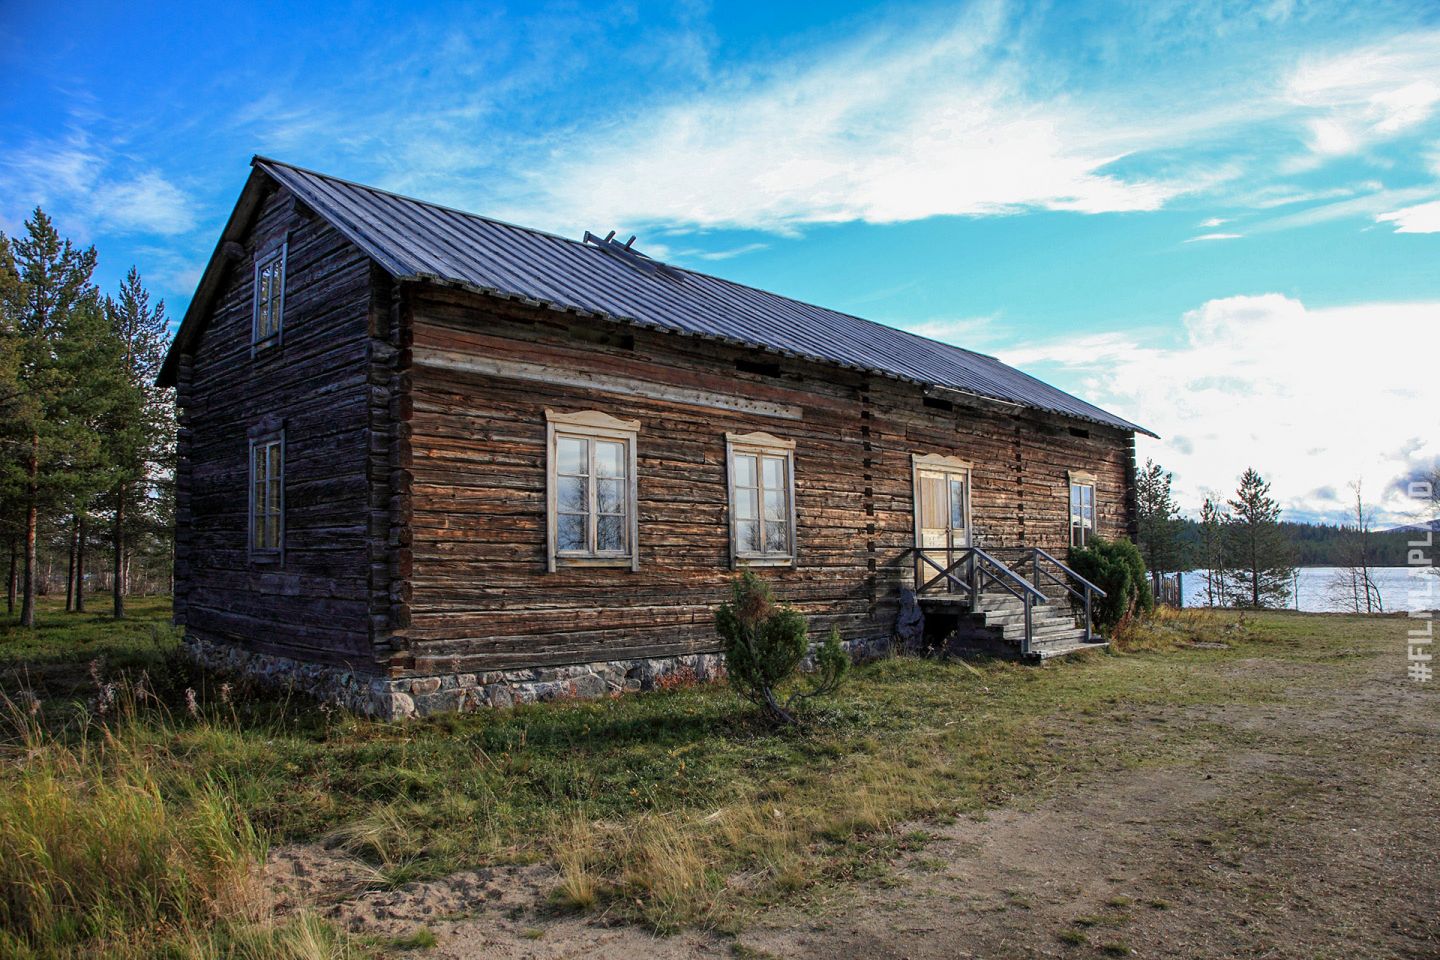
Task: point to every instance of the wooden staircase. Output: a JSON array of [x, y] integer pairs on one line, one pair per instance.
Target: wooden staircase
[[986, 606], [1000, 622]]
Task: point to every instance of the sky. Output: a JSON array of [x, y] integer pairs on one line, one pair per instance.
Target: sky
[[1220, 220]]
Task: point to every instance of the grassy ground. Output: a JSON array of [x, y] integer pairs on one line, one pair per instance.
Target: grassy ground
[[672, 809]]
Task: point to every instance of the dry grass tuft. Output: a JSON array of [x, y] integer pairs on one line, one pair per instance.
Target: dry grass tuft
[[1170, 629], [108, 849]]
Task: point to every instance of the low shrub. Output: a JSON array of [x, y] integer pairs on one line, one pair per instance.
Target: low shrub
[[1116, 567], [764, 644]]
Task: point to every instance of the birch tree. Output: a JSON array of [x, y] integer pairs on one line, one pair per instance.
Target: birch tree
[[1353, 585]]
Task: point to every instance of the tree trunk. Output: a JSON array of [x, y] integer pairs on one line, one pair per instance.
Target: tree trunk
[[12, 579], [118, 587], [80, 565], [70, 570], [32, 517]]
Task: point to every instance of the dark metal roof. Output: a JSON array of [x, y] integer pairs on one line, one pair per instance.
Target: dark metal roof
[[412, 239]]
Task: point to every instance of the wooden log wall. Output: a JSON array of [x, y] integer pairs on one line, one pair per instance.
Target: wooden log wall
[[330, 382], [483, 372]]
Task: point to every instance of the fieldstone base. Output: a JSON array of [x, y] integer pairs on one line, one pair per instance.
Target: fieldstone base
[[403, 697]]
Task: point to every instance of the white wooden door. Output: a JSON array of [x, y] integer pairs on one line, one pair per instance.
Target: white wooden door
[[943, 508]]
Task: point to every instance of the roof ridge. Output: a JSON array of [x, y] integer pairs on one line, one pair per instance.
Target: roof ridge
[[259, 158]]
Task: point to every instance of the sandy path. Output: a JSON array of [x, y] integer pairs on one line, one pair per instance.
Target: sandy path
[[1317, 837]]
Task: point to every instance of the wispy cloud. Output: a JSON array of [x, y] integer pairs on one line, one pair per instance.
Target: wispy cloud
[[1369, 94], [1215, 391], [727, 254], [1421, 218], [94, 188], [1215, 236], [883, 129]]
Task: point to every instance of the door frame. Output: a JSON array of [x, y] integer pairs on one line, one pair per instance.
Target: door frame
[[942, 463]]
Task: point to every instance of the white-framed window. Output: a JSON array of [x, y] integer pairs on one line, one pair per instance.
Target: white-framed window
[[267, 493], [1082, 508], [591, 490], [761, 471], [269, 305]]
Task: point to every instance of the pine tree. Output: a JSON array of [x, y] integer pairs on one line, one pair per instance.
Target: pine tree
[[141, 427], [1213, 521], [1159, 523], [1257, 550], [51, 319]]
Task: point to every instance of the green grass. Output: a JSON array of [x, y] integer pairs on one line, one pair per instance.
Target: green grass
[[649, 804]]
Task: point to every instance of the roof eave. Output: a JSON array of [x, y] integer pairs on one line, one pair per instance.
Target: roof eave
[[192, 324], [1118, 423]]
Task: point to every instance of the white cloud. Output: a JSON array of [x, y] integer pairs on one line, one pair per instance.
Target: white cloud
[[1313, 398], [93, 189], [971, 333], [147, 202], [882, 130], [1214, 222], [1421, 218], [1215, 236], [1369, 94]]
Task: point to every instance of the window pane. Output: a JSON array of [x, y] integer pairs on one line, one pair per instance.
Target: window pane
[[1074, 498], [571, 456], [744, 503], [257, 515], [609, 496], [570, 495], [1077, 536], [776, 540], [609, 459], [747, 536], [610, 534], [570, 532], [775, 505], [744, 470], [932, 502], [774, 473], [957, 504], [274, 451]]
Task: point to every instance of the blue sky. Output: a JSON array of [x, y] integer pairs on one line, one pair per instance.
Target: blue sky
[[1221, 220]]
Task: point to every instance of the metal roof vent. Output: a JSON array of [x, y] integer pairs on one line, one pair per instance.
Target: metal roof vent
[[626, 251]]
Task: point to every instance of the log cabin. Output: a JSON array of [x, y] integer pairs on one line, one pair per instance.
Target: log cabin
[[430, 461]]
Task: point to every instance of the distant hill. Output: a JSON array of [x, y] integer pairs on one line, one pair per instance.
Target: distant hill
[[1433, 526], [1324, 544]]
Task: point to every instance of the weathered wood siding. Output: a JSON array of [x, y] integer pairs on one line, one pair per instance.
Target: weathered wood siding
[[317, 603], [478, 594]]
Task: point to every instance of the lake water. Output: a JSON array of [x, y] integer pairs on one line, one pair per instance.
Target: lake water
[[1401, 588]]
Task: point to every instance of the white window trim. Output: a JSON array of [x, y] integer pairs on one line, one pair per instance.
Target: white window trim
[[257, 343], [590, 425], [761, 444], [277, 552], [1081, 478]]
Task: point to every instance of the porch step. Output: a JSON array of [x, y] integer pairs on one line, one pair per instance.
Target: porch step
[[1051, 651]]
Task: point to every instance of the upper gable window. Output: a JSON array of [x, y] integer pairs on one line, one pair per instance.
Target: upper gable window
[[762, 499], [591, 482], [269, 306], [1082, 508]]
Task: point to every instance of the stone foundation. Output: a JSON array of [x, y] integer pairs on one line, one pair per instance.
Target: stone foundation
[[403, 697]]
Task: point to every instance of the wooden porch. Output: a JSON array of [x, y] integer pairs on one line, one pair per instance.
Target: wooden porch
[[1029, 605]]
